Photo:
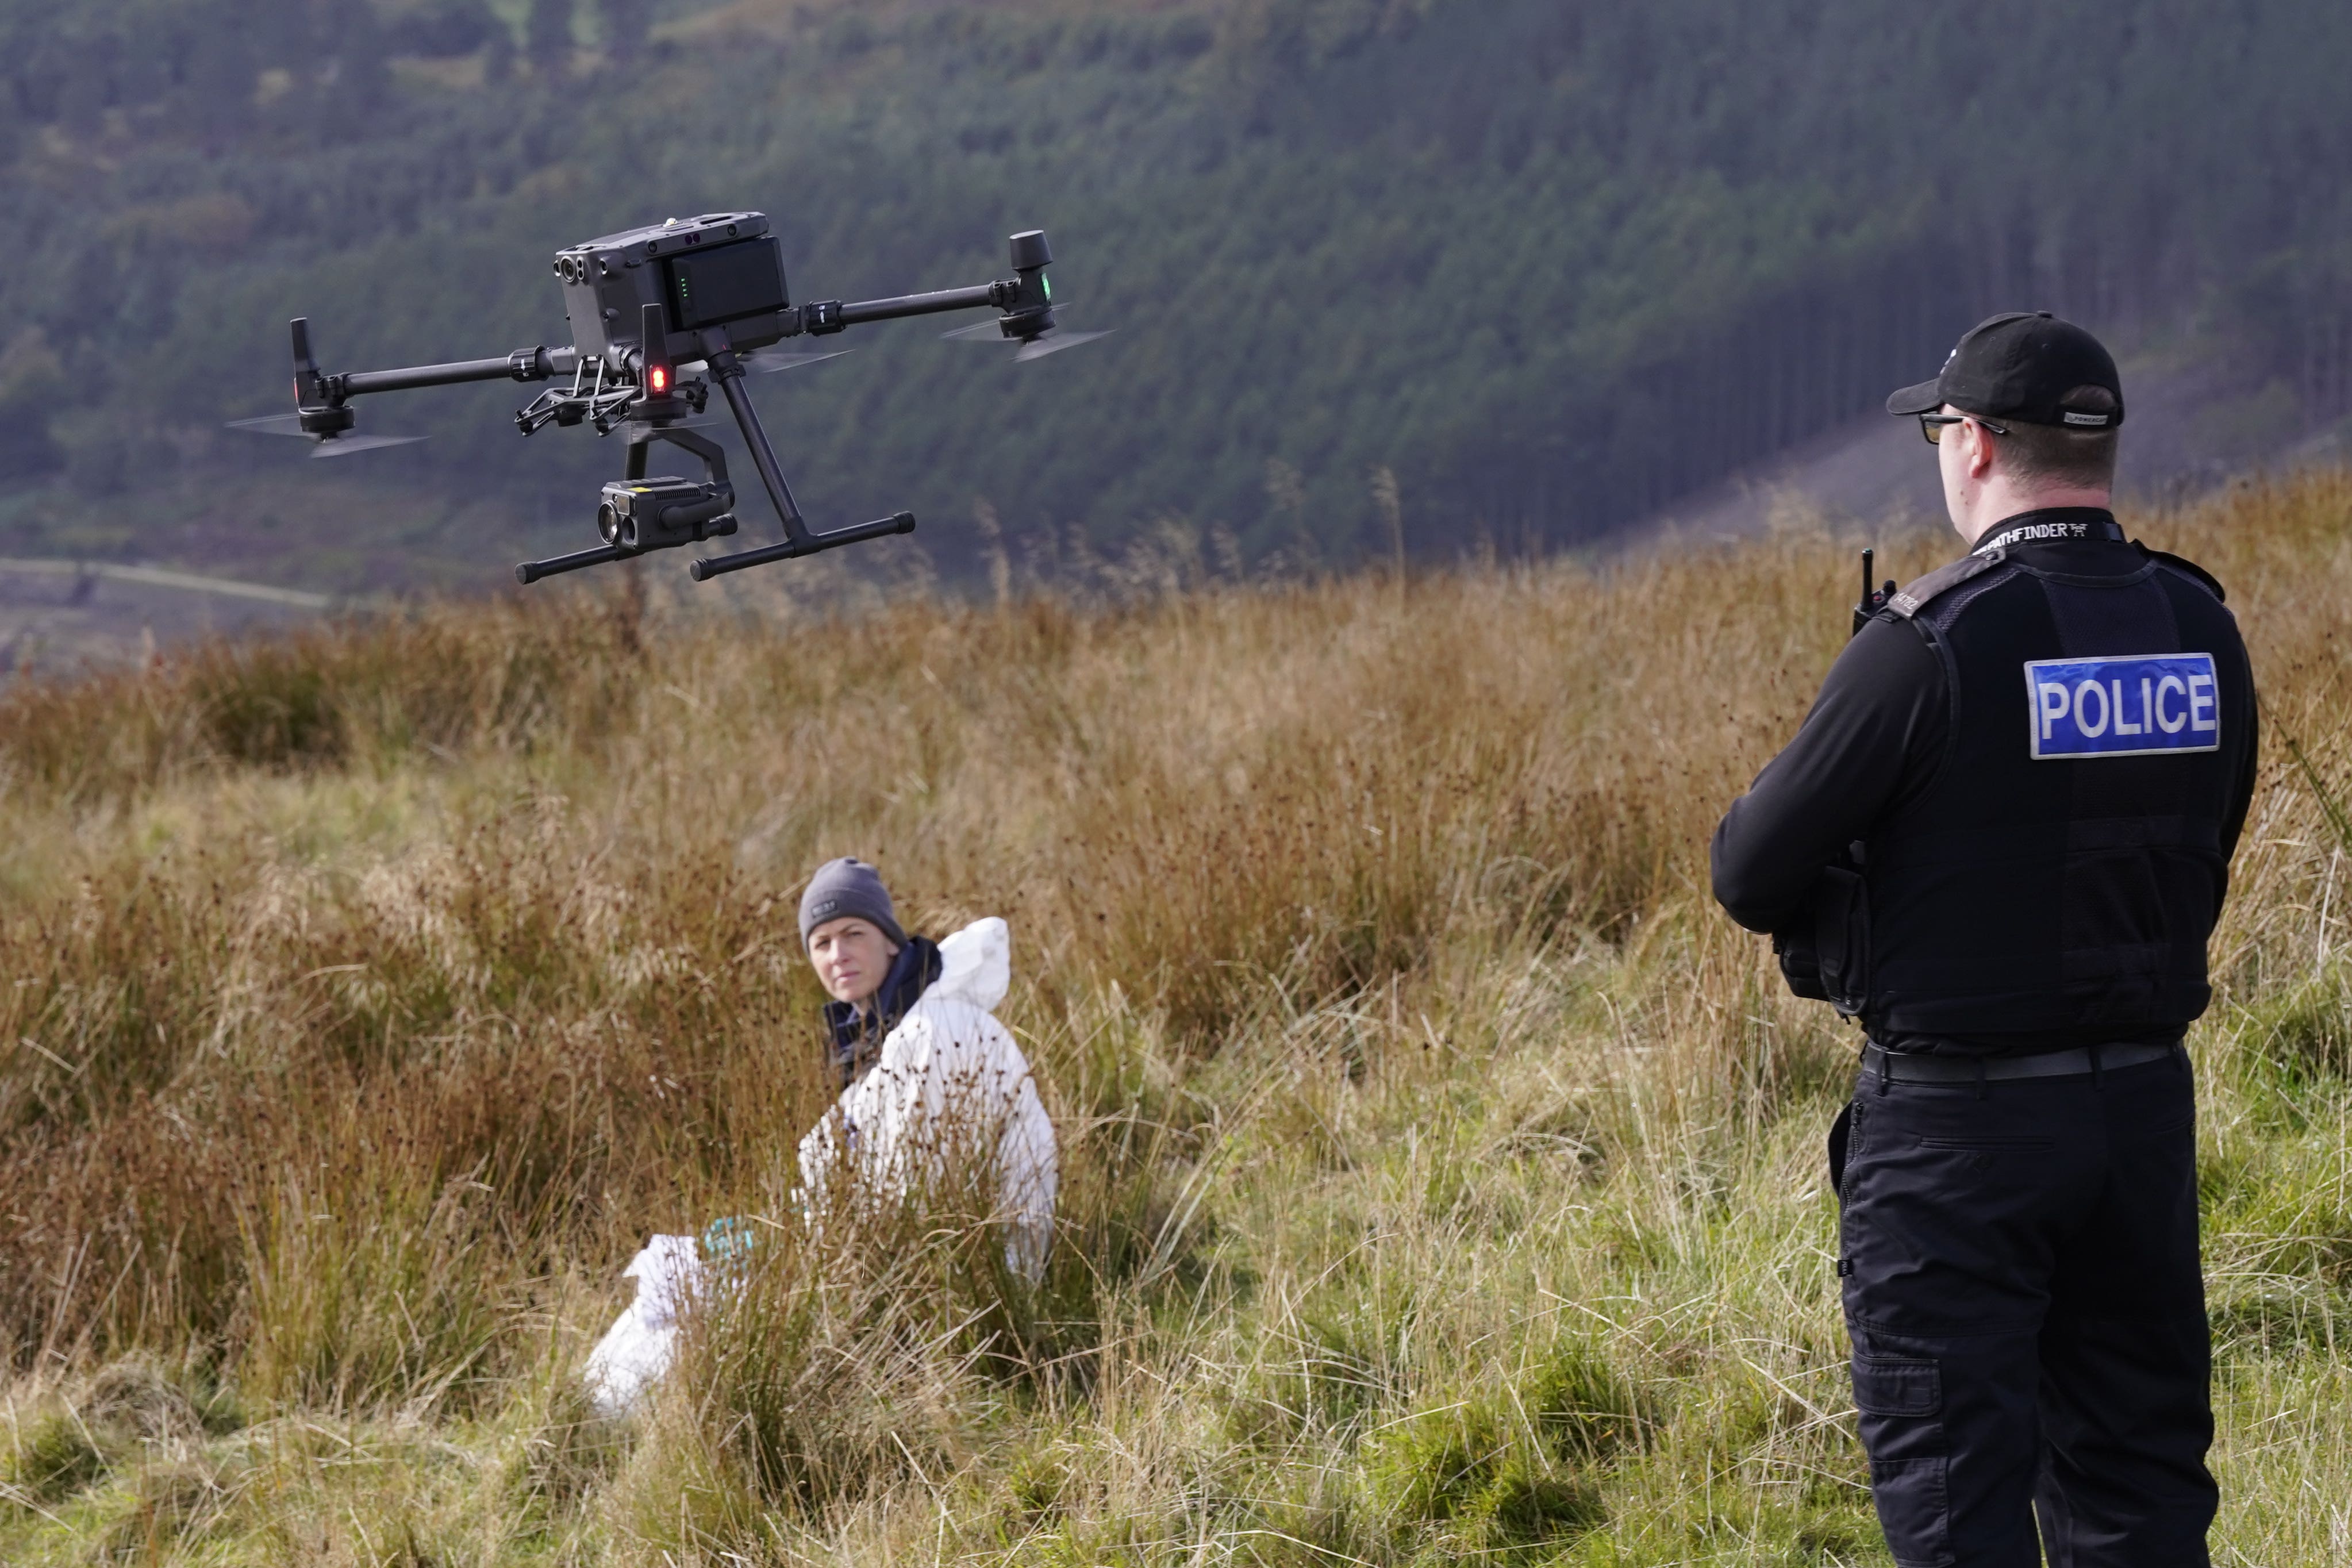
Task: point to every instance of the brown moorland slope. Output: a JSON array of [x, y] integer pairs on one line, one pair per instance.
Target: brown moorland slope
[[1441, 1171]]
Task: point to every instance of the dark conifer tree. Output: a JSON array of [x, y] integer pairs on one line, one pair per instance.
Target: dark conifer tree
[[547, 36], [626, 23], [498, 55], [363, 71]]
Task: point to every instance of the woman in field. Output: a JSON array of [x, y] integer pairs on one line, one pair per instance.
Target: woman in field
[[938, 1110], [937, 1098]]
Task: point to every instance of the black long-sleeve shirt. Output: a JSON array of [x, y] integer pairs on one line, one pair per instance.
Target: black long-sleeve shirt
[[1877, 738], [1874, 737]]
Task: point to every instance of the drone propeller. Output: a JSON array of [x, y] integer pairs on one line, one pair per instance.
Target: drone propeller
[[1053, 340], [271, 424], [344, 446], [770, 363], [322, 446], [1055, 343]]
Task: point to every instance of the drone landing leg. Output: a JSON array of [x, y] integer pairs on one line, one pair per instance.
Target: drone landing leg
[[727, 371], [729, 377], [530, 572]]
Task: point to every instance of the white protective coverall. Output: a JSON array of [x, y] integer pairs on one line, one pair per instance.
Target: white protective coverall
[[948, 1085], [950, 1077]]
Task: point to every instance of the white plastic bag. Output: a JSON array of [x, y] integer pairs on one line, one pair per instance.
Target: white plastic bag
[[637, 1349]]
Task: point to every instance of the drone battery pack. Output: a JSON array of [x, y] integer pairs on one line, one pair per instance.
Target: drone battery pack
[[727, 283]]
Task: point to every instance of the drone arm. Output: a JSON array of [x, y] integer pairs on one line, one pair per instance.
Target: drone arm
[[523, 364], [820, 317], [932, 304]]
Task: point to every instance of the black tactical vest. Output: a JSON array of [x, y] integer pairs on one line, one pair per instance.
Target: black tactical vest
[[2064, 869]]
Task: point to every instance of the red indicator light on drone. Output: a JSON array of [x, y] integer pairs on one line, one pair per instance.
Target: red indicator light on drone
[[660, 378]]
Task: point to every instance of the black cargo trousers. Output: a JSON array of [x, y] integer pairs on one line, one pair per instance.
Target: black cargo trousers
[[2023, 1289]]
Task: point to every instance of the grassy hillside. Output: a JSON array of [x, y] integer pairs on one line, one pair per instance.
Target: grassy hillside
[[1549, 266], [1442, 1174]]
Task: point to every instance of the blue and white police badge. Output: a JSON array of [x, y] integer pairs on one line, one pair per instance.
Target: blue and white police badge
[[2125, 706]]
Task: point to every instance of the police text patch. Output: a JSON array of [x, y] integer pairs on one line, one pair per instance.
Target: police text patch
[[2125, 707]]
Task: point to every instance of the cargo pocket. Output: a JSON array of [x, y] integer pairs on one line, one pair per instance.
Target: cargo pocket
[[1897, 1385], [1901, 1402]]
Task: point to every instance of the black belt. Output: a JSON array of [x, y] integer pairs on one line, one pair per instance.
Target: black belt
[[1905, 1067]]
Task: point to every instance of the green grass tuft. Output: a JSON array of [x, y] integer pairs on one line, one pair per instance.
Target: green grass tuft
[[49, 1458]]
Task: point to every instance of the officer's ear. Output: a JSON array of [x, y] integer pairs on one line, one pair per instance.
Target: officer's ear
[[1980, 450]]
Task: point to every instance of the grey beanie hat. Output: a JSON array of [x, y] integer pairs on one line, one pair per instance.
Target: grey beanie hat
[[848, 887]]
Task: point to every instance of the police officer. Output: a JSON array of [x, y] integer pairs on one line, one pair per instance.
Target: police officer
[[2000, 839]]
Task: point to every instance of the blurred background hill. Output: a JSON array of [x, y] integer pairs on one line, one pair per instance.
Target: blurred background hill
[[1555, 267]]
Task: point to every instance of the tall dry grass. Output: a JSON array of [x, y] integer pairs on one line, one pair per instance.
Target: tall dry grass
[[1440, 1171]]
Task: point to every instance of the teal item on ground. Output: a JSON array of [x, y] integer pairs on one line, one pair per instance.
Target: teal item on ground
[[728, 1244]]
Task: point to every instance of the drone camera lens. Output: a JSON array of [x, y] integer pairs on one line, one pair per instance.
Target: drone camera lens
[[608, 523]]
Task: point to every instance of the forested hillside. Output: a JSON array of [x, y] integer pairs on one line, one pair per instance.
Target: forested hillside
[[1551, 263]]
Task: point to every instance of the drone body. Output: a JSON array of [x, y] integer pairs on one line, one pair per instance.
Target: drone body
[[723, 269], [658, 315]]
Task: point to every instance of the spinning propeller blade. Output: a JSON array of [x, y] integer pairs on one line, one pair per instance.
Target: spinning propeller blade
[[344, 446], [769, 364], [271, 424], [1055, 341], [329, 446]]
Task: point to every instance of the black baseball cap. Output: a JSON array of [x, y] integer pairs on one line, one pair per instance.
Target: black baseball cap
[[2022, 367]]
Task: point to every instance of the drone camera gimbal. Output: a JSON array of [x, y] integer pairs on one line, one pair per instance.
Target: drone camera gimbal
[[659, 315]]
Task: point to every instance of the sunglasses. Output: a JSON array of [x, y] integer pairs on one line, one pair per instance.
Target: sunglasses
[[1931, 425]]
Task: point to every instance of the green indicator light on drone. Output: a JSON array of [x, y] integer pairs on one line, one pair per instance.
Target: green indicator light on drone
[[1047, 284]]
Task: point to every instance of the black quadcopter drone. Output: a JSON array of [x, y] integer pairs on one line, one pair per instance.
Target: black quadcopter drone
[[652, 311]]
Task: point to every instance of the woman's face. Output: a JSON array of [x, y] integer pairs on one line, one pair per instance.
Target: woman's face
[[852, 956]]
